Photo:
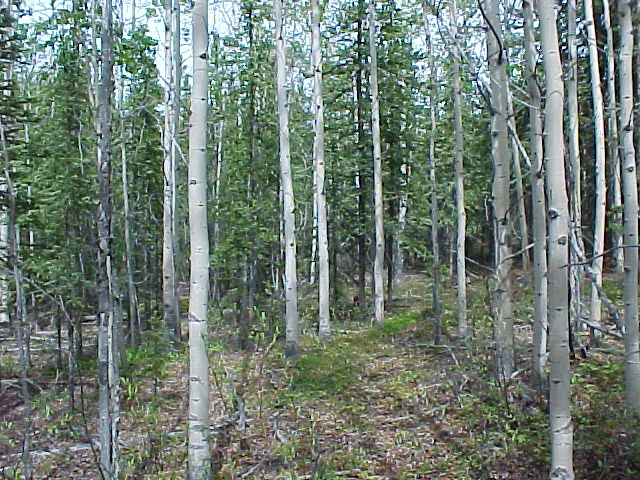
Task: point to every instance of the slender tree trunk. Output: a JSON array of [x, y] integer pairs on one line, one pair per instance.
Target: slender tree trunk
[[361, 176], [575, 168], [522, 211], [286, 180], [169, 281], [461, 214], [21, 324], [318, 151], [500, 191], [378, 265], [134, 318], [558, 215], [435, 289], [108, 371], [630, 198], [600, 177], [199, 451], [612, 136], [536, 175]]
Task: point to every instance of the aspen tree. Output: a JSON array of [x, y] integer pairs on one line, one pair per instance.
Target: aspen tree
[[558, 250], [536, 175], [169, 281], [612, 136], [286, 182], [503, 335], [134, 315], [461, 215], [378, 265], [320, 194], [433, 182], [198, 438], [600, 165], [630, 200], [108, 370], [574, 163]]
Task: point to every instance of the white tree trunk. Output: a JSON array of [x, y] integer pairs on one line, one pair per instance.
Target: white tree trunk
[[435, 290], [169, 290], [4, 281], [600, 166], [630, 199], [500, 190], [461, 214], [199, 452], [558, 215], [378, 264], [612, 137], [320, 196], [286, 182], [536, 175], [108, 371], [575, 167]]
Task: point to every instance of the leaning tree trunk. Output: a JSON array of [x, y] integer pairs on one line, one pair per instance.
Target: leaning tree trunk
[[461, 215], [320, 195], [536, 175], [169, 281], [108, 372], [612, 136], [630, 199], [500, 191], [286, 181], [199, 452], [600, 166], [558, 215], [378, 265]]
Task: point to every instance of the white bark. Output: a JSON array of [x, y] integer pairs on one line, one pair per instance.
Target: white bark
[[500, 191], [108, 371], [378, 265], [600, 166], [320, 196], [630, 198], [169, 281], [575, 167], [433, 182], [4, 281], [199, 451], [286, 182], [536, 176], [612, 136], [558, 216], [461, 214]]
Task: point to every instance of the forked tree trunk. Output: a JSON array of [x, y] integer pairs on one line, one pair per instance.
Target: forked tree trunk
[[503, 334], [630, 199], [286, 181], [320, 195], [108, 371], [378, 265], [600, 166], [199, 451], [558, 216], [536, 175]]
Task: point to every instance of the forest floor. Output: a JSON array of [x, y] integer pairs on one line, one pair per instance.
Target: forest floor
[[366, 404]]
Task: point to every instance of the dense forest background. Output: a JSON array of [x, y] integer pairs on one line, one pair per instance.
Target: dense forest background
[[319, 240]]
